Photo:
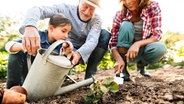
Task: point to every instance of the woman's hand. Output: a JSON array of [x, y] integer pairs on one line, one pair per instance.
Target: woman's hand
[[119, 66], [133, 51]]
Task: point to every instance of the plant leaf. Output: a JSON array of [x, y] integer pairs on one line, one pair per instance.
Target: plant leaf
[[108, 81], [103, 88], [114, 87]]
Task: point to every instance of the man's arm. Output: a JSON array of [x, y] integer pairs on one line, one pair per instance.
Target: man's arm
[[31, 38], [92, 39]]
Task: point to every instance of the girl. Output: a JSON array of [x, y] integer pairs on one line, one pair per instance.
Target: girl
[[58, 29]]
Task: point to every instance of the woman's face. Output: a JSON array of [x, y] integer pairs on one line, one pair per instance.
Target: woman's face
[[86, 11], [131, 5]]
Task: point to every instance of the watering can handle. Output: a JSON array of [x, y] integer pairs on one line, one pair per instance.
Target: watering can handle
[[51, 48]]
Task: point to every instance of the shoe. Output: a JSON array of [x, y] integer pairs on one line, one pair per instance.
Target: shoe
[[142, 70], [145, 73]]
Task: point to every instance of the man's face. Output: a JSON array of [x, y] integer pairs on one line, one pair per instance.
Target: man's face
[[86, 11]]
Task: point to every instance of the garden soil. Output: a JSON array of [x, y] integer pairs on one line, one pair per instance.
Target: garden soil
[[166, 86]]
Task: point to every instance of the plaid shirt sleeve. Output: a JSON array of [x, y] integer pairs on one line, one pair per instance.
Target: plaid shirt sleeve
[[115, 29], [153, 21], [156, 24]]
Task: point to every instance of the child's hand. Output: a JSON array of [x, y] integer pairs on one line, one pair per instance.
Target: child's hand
[[67, 48], [16, 47]]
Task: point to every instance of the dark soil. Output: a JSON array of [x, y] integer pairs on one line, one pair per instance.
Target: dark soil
[[166, 86]]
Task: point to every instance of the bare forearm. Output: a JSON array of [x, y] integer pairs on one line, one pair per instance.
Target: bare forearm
[[116, 54], [142, 43], [16, 47]]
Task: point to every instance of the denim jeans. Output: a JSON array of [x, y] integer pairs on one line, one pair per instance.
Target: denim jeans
[[17, 69], [98, 53], [149, 54], [104, 38]]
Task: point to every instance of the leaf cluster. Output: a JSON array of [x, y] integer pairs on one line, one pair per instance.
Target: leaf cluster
[[99, 88]]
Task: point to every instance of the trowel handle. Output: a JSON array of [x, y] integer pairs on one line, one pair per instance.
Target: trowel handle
[[51, 48]]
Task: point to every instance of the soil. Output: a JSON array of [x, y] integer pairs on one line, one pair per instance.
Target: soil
[[166, 86]]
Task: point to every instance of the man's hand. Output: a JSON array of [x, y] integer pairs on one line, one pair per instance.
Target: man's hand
[[75, 58], [31, 40]]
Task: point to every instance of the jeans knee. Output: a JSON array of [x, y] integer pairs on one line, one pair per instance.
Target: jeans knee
[[126, 34], [162, 49], [126, 26], [104, 39], [16, 58], [104, 36], [155, 52]]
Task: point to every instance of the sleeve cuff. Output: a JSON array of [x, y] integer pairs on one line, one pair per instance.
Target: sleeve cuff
[[9, 45]]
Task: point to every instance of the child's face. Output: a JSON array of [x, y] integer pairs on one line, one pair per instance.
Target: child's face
[[60, 32]]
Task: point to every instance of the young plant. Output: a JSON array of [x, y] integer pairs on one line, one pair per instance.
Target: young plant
[[99, 88]]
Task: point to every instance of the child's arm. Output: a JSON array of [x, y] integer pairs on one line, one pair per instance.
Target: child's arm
[[13, 47]]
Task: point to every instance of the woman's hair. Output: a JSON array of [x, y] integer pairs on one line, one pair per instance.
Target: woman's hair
[[59, 20], [142, 4]]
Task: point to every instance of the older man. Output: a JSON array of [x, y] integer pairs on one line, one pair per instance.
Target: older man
[[89, 39]]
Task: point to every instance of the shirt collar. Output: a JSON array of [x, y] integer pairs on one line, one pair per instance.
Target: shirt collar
[[44, 36], [79, 16], [143, 14]]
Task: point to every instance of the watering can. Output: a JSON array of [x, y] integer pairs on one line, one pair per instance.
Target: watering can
[[47, 74]]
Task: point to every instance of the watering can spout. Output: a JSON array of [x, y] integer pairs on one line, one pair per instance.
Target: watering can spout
[[71, 87]]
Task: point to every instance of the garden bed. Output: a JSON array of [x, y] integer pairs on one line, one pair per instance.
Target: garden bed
[[166, 86]]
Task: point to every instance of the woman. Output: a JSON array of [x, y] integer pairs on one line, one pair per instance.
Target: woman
[[58, 29], [136, 32]]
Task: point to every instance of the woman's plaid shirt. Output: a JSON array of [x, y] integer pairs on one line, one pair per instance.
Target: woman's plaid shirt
[[151, 16]]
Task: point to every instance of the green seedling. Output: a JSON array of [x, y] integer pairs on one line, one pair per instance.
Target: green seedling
[[99, 88]]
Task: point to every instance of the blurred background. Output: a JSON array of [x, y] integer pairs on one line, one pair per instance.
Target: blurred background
[[12, 13], [171, 11]]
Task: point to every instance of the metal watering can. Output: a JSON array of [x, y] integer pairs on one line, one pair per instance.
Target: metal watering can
[[47, 74]]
